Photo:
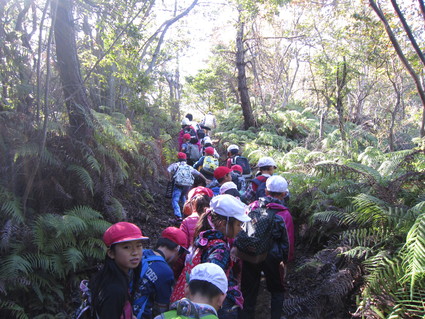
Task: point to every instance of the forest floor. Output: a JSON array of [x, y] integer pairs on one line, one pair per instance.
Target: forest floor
[[317, 286]]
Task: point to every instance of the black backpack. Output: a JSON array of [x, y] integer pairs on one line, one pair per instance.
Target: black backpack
[[193, 136], [243, 162], [255, 238]]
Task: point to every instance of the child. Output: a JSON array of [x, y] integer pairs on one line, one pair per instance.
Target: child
[[232, 151], [231, 189], [110, 286], [185, 142], [214, 229], [280, 252], [221, 176], [198, 201], [154, 290], [207, 163], [205, 294], [257, 187], [183, 176]]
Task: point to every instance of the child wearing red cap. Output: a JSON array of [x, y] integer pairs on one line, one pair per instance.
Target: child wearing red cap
[[198, 201], [221, 176], [185, 141], [152, 297], [110, 286], [207, 163]]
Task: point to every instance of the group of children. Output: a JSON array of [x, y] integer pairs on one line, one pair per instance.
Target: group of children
[[201, 269]]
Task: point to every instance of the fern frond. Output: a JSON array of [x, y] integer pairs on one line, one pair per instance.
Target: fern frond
[[84, 212], [83, 175], [414, 253], [11, 205], [10, 308], [369, 209], [73, 257], [369, 173], [327, 216], [93, 163], [13, 265]]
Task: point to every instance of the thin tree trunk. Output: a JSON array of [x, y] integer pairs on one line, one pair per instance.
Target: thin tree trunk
[[249, 120], [403, 59], [69, 69]]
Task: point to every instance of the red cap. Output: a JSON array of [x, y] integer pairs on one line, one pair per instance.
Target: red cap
[[122, 232], [176, 235], [237, 168], [209, 150], [221, 171], [200, 190], [181, 155], [186, 136]]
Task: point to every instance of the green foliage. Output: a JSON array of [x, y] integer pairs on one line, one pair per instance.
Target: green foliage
[[42, 258]]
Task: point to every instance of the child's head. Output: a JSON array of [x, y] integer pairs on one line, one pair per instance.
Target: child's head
[[267, 165], [198, 200], [186, 137], [277, 186], [124, 242], [209, 151], [182, 157], [237, 169], [227, 214], [230, 188], [232, 150], [222, 174], [172, 243], [207, 283]]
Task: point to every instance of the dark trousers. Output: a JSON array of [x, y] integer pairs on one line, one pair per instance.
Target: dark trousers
[[250, 284]]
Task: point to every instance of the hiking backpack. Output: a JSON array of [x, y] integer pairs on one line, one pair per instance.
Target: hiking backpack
[[193, 153], [193, 135], [260, 189], [139, 304], [209, 165], [178, 291], [255, 239], [243, 162], [183, 175]]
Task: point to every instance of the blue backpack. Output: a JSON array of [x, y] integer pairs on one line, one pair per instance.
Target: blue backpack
[[141, 302], [260, 190]]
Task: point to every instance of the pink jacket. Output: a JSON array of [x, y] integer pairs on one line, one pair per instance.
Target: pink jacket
[[188, 226]]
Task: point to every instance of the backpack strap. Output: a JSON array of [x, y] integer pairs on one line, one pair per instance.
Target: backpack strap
[[145, 265]]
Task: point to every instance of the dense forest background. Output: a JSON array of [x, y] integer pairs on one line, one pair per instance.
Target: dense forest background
[[92, 93]]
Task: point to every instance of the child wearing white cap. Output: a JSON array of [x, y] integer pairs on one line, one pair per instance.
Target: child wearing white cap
[[280, 251], [215, 227], [205, 294], [256, 189]]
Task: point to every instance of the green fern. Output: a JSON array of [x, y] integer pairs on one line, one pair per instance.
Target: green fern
[[83, 175], [11, 206]]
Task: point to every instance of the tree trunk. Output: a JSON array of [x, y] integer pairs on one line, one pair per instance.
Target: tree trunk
[[69, 69], [403, 59], [249, 120], [341, 82]]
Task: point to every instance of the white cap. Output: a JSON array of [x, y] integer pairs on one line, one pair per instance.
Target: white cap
[[226, 186], [186, 121], [211, 273], [207, 139], [266, 161], [276, 184], [229, 206], [232, 147]]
